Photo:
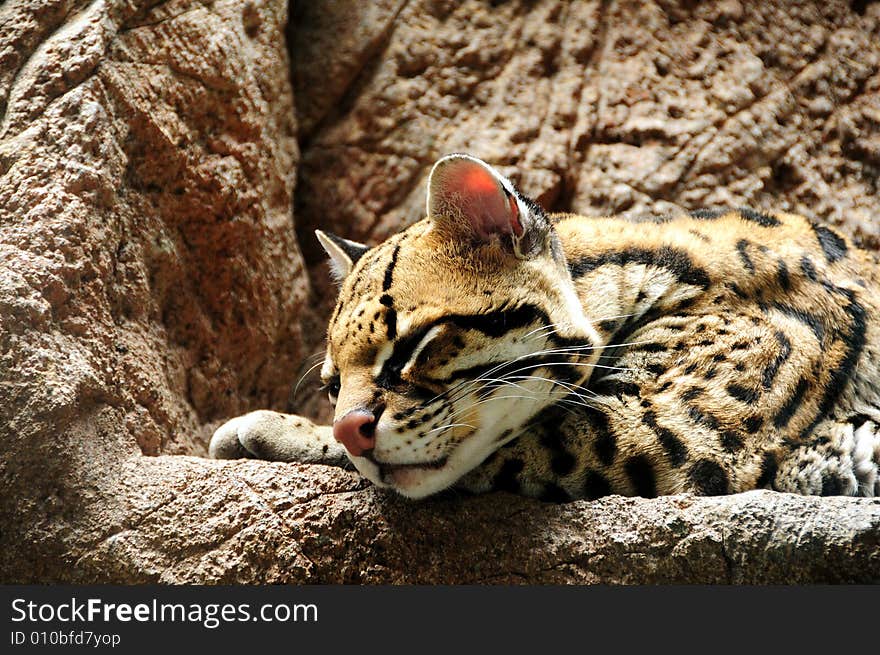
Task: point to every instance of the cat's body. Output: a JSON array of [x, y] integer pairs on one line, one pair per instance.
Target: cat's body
[[492, 346]]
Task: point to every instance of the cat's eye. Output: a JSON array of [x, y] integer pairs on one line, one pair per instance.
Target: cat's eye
[[497, 320], [332, 387]]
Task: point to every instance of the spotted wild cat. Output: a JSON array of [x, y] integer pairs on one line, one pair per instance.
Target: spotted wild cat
[[494, 346]]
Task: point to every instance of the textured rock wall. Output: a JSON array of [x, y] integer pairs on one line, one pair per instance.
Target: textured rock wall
[[596, 107], [151, 281]]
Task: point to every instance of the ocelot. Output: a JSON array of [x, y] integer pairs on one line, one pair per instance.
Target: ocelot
[[492, 345]]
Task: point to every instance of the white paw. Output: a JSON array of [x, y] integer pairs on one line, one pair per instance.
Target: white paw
[[227, 443], [275, 437]]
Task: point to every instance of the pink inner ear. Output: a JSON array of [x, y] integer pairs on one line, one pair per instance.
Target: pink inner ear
[[481, 199], [477, 180]]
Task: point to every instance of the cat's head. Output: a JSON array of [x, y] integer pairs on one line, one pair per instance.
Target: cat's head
[[449, 336]]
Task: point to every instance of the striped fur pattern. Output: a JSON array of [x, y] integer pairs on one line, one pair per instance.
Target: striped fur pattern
[[564, 357]]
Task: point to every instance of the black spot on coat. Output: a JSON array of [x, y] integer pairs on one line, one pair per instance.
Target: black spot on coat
[[708, 214], [742, 394], [506, 479], [832, 243], [595, 485], [709, 478], [641, 475], [768, 471], [674, 447], [760, 218], [742, 250], [675, 260]]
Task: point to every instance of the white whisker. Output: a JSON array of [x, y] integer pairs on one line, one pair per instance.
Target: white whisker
[[303, 377], [319, 355], [452, 425], [552, 326]]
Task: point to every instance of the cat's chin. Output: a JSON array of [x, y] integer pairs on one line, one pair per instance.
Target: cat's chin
[[413, 481], [419, 482]]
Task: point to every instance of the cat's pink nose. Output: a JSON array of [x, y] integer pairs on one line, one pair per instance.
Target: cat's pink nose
[[356, 431]]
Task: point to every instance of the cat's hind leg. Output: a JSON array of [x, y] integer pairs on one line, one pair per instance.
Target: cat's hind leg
[[276, 437]]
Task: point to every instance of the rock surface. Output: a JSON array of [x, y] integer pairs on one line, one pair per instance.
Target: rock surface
[[595, 107], [152, 284]]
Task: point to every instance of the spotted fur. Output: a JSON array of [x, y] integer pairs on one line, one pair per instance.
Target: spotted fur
[[564, 357]]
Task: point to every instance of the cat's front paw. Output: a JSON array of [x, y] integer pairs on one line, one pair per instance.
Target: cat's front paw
[[226, 442], [275, 437]]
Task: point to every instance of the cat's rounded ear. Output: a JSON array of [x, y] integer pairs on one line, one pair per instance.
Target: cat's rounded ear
[[466, 192], [343, 253]]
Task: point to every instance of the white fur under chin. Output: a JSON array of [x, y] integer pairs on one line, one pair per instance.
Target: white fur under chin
[[495, 417]]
